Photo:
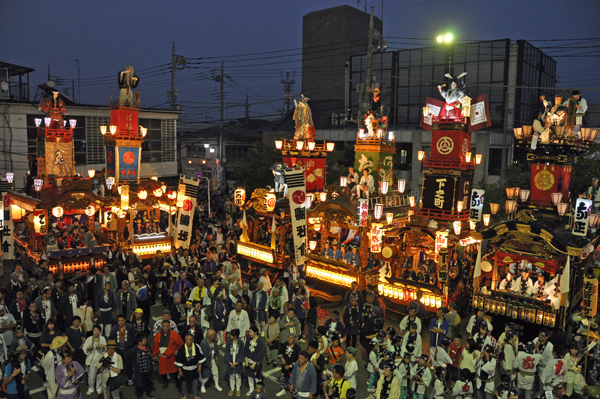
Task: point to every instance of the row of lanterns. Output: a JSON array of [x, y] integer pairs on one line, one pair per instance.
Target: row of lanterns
[[525, 132], [403, 293], [468, 157], [384, 185], [150, 249], [113, 130], [48, 121], [304, 145], [391, 134], [255, 253], [330, 277]]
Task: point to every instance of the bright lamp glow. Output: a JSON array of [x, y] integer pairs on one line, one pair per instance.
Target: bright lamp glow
[[72, 123], [457, 227], [212, 150], [38, 183], [109, 182], [330, 146], [158, 192], [472, 224], [90, 210], [323, 196], [312, 244], [57, 211], [510, 192], [440, 39], [378, 211], [421, 155], [113, 129], [144, 131], [556, 198], [460, 205], [494, 208], [10, 177], [524, 194], [38, 122], [385, 185], [448, 38], [401, 186], [510, 206], [47, 121], [163, 187], [478, 158], [143, 194], [299, 145], [411, 201], [311, 145], [278, 144], [206, 145], [425, 111], [120, 189], [468, 157], [486, 219], [103, 130], [562, 208], [309, 200], [389, 217], [91, 173], [343, 181]]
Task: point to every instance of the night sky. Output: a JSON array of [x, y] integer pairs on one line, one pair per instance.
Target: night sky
[[105, 36]]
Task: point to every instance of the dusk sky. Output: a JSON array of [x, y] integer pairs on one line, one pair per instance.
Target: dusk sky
[[106, 36]]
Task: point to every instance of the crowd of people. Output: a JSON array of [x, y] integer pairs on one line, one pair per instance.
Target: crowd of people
[[96, 329]]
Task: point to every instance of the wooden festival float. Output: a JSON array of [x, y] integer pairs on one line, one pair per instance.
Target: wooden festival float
[[115, 205], [546, 226]]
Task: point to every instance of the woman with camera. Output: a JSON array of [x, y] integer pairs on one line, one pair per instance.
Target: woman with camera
[[16, 374]]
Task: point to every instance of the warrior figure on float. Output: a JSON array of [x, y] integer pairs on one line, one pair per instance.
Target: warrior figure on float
[[128, 81], [305, 129], [453, 95], [55, 109]]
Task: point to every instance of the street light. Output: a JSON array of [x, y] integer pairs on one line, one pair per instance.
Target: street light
[[445, 38]]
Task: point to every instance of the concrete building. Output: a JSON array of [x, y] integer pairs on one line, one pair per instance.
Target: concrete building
[[330, 38], [18, 132]]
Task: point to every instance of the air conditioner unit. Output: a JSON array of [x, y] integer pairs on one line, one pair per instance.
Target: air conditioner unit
[[335, 119], [4, 84]]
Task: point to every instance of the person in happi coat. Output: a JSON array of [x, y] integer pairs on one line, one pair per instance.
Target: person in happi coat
[[124, 334], [141, 356], [259, 307], [94, 348], [189, 362], [485, 367], [220, 319], [421, 377], [69, 375], [142, 295], [139, 323], [165, 346], [50, 362], [105, 305], [388, 386], [352, 321], [126, 300], [234, 356], [211, 353], [193, 328], [288, 354], [254, 353]]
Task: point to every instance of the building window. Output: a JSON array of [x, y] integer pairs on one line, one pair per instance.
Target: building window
[[95, 142], [236, 153], [152, 147], [404, 156], [495, 161], [196, 151], [168, 140]]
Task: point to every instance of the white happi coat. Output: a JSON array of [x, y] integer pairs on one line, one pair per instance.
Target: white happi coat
[[526, 366]]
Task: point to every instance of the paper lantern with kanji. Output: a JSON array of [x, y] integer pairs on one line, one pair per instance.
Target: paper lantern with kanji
[[40, 222], [270, 201], [239, 197], [376, 237], [57, 211]]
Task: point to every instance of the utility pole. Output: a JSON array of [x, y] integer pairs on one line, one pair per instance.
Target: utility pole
[[178, 62], [222, 111], [370, 48], [288, 82], [247, 106], [78, 83]]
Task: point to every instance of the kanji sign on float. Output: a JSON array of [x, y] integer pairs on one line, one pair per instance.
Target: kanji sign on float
[[581, 216], [363, 212], [590, 297], [477, 204], [297, 193], [186, 202], [441, 241], [376, 237]]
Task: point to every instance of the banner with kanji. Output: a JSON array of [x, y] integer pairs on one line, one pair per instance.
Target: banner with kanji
[[59, 159], [590, 297], [314, 171], [477, 197], [297, 194], [128, 163], [581, 216], [109, 219], [362, 213], [111, 165], [40, 222], [376, 237], [186, 203]]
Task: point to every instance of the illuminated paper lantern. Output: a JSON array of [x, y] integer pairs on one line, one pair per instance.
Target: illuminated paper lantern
[[90, 210], [343, 181], [91, 173], [486, 219], [40, 222], [312, 245], [279, 144], [384, 187], [270, 201], [37, 184], [401, 186], [478, 158], [389, 217], [124, 196], [57, 211], [158, 192], [239, 197], [72, 123], [460, 205], [10, 177], [378, 211], [172, 195], [110, 181], [330, 146], [143, 194], [38, 122], [311, 145], [457, 227]]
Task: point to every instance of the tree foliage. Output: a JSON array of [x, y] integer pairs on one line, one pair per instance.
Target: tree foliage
[[337, 164], [512, 176], [586, 167], [254, 170]]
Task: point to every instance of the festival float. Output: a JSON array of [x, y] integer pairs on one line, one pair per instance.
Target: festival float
[[114, 204], [548, 229]]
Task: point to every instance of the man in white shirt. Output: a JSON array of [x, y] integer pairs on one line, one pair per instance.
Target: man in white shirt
[[366, 185], [110, 370], [239, 319], [264, 279], [582, 107]]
